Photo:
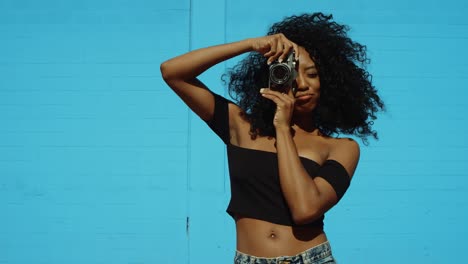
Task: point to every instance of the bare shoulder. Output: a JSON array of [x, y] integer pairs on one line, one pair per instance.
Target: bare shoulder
[[345, 146], [347, 152]]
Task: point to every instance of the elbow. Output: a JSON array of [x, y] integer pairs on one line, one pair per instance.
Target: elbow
[[169, 71], [165, 71], [306, 215]]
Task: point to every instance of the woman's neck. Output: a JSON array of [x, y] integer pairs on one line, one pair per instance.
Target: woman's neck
[[304, 124]]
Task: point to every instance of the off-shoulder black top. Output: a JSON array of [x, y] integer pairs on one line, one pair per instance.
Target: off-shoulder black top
[[254, 177]]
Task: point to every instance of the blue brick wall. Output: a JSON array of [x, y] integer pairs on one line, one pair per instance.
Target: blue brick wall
[[88, 171], [101, 163]]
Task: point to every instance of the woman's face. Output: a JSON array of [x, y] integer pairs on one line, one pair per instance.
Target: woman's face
[[308, 84]]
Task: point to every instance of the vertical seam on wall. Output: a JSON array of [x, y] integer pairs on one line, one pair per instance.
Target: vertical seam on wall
[[189, 152], [226, 94]]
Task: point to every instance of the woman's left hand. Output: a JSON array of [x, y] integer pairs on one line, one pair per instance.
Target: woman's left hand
[[284, 107]]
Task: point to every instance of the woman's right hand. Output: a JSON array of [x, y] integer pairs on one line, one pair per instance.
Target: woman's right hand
[[274, 47]]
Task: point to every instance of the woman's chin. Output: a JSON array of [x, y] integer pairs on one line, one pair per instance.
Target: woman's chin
[[304, 109]]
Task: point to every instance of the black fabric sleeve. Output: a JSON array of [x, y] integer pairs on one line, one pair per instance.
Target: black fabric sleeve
[[220, 120], [335, 174]]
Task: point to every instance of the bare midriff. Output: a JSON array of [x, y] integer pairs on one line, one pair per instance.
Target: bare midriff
[[264, 239]]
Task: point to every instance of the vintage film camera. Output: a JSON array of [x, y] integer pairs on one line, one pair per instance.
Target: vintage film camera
[[282, 74]]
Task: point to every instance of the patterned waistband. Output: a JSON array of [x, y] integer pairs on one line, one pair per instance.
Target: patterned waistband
[[312, 254]]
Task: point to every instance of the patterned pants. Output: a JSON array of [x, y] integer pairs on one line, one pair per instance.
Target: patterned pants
[[319, 254]]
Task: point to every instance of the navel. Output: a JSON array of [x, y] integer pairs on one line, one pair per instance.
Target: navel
[[272, 235]]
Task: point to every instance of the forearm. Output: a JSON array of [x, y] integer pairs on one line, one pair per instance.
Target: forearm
[[299, 189], [188, 66]]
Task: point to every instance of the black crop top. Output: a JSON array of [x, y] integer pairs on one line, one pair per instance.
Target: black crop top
[[255, 187]]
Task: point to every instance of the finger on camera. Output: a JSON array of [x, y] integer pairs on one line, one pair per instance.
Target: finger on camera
[[296, 51], [287, 48], [271, 52], [274, 56], [272, 43], [276, 51], [264, 90], [279, 50], [271, 92], [275, 98], [271, 55]]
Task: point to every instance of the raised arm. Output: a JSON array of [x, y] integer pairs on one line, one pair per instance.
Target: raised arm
[[181, 72], [309, 198]]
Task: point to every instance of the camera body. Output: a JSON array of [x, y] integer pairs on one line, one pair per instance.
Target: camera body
[[282, 74]]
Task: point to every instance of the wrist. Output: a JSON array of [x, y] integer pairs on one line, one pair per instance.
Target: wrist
[[283, 129], [250, 43]]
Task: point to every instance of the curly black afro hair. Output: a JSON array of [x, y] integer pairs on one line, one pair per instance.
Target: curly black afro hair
[[348, 101]]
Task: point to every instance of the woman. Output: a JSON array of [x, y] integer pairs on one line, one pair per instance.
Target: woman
[[286, 168]]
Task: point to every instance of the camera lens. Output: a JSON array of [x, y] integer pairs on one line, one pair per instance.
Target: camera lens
[[279, 73]]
